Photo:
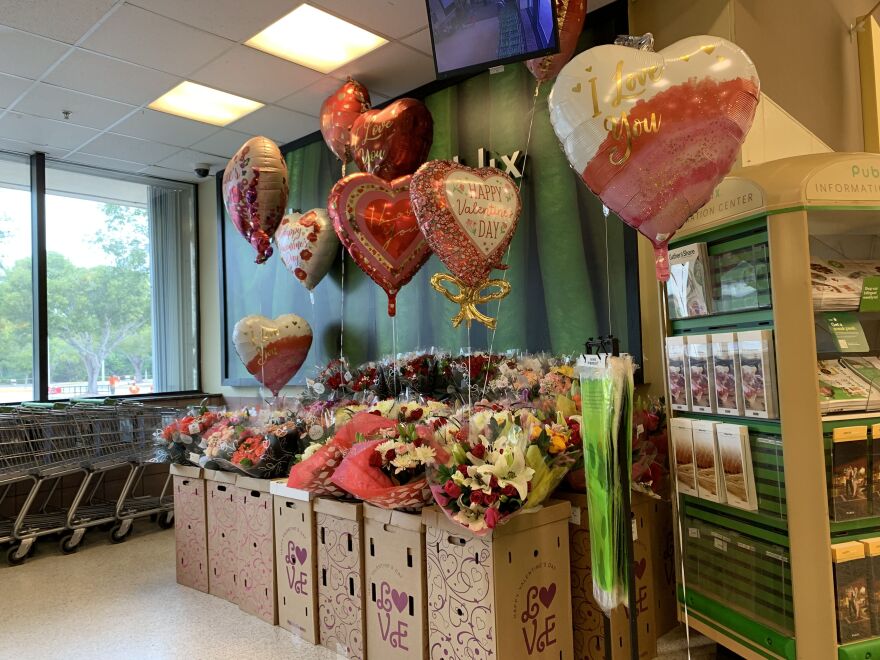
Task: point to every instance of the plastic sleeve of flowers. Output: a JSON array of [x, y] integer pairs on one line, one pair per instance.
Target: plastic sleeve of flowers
[[314, 473]]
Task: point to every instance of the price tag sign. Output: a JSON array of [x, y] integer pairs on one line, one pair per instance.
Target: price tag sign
[[847, 331], [870, 295]]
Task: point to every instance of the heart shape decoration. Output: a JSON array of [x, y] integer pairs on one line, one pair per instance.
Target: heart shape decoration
[[375, 222], [255, 192], [640, 567], [547, 594], [400, 599], [653, 134], [394, 141], [570, 15], [307, 245], [272, 350], [301, 555], [468, 216], [338, 112]]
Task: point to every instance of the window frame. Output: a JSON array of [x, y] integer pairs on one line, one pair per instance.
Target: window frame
[[40, 333]]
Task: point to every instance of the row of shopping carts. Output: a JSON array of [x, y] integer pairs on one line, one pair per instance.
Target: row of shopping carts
[[46, 447]]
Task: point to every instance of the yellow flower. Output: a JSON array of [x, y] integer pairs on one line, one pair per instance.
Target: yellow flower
[[558, 442], [535, 432], [566, 370]]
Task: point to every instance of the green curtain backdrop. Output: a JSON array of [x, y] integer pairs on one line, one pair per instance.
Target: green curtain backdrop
[[557, 261]]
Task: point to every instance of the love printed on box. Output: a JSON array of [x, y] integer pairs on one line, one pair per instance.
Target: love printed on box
[[297, 569], [538, 619], [393, 606]]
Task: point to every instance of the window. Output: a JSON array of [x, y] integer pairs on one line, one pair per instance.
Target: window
[[120, 287]]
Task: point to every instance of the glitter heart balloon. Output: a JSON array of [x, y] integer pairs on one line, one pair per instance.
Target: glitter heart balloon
[[393, 141], [255, 192], [652, 134], [307, 245], [338, 113], [375, 222], [272, 350]]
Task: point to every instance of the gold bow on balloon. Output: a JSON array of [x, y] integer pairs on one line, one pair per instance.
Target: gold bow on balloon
[[469, 297]]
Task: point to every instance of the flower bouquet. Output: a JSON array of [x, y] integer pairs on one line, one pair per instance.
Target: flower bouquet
[[650, 461], [184, 436], [387, 468], [555, 447]]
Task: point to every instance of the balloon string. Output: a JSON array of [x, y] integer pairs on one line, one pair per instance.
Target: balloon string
[[469, 368], [342, 305], [394, 350], [507, 253], [265, 333], [607, 268]]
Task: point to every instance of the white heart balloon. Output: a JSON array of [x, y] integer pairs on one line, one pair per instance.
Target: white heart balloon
[[307, 245], [272, 350]]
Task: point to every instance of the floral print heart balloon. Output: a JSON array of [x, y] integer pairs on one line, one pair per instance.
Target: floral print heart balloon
[[272, 350], [653, 134], [255, 192], [375, 222], [307, 245]]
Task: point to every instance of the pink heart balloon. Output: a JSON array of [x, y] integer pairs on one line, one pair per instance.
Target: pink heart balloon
[[255, 192], [653, 134], [307, 245], [272, 350], [375, 222], [468, 216]]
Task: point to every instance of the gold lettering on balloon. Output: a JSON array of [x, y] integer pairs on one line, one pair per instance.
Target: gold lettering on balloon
[[632, 85], [373, 131], [622, 130]]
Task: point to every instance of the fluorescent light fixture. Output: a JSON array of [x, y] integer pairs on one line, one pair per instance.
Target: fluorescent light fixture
[[204, 104], [315, 39]]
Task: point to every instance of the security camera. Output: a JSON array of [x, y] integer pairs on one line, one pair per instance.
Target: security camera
[[202, 169]]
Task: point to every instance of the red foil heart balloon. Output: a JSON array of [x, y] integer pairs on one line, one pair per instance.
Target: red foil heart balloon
[[653, 134], [570, 15], [255, 192], [272, 350], [307, 245], [338, 113], [375, 222], [394, 141], [468, 216]]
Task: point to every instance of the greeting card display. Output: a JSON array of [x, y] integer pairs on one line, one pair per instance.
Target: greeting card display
[[653, 134], [272, 350], [190, 535], [307, 245]]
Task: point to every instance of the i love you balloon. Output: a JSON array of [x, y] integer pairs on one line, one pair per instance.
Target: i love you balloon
[[375, 222], [272, 350], [652, 134], [468, 217], [338, 113], [255, 192], [570, 15], [307, 245], [394, 141]]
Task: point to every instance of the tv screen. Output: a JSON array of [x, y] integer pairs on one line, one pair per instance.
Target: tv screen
[[474, 35]]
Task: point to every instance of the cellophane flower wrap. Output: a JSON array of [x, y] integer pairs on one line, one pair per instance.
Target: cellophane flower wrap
[[554, 448], [183, 436], [387, 467], [314, 472]]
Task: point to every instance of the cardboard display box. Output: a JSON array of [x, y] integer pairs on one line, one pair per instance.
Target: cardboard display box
[[506, 595], [394, 566], [256, 549], [654, 577], [190, 534], [222, 533], [296, 560], [341, 577]]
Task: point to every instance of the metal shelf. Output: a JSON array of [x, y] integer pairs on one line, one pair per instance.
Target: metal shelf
[[772, 426]]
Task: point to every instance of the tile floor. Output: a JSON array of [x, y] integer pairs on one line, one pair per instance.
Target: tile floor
[[122, 601]]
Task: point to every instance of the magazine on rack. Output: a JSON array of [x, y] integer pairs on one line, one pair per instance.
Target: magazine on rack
[[709, 483], [837, 284], [689, 289], [840, 389], [736, 459]]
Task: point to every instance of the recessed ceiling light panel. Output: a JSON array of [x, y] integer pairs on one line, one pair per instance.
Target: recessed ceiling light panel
[[204, 104], [315, 39]]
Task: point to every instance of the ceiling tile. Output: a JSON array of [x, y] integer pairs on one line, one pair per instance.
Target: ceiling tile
[[11, 88], [232, 19], [392, 70], [162, 127], [309, 100], [26, 54], [186, 159], [107, 163], [58, 134], [174, 175], [420, 41], [28, 148], [110, 78], [277, 124], [255, 75], [390, 18], [128, 148], [142, 37], [223, 143], [65, 20], [49, 101]]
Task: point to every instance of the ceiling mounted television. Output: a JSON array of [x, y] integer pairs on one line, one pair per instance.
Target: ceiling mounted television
[[474, 35]]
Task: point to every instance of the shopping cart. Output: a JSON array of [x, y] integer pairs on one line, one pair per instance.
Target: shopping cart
[[142, 422], [17, 466], [56, 450]]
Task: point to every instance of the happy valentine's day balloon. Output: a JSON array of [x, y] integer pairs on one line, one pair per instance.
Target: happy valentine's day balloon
[[307, 245], [652, 134], [468, 217], [570, 15], [338, 113], [272, 350], [375, 222], [394, 141], [255, 192]]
